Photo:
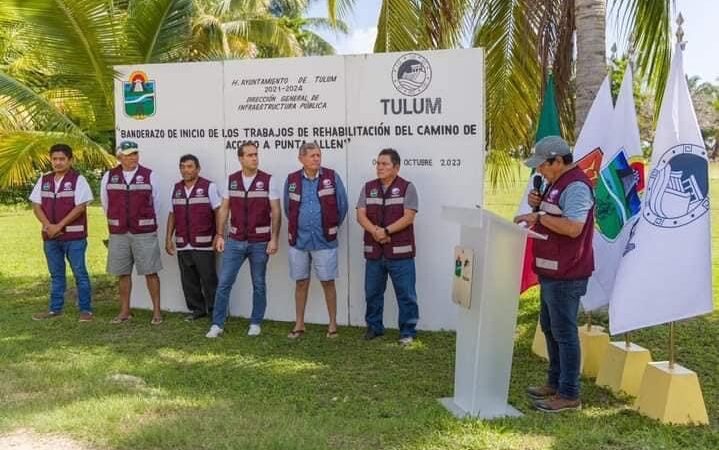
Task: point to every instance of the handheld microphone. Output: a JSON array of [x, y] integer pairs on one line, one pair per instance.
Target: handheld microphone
[[537, 184]]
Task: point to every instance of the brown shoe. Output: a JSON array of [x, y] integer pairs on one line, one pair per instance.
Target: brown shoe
[[541, 392], [86, 317], [46, 315], [557, 403]]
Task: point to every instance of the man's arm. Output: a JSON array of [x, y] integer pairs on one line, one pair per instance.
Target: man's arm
[[341, 195], [40, 214], [276, 215], [220, 221], [170, 231], [562, 225], [377, 233], [103, 191]]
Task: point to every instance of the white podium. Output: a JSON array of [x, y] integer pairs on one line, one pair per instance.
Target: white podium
[[485, 331]]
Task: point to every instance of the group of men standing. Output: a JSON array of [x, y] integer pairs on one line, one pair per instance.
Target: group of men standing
[[242, 221], [315, 204]]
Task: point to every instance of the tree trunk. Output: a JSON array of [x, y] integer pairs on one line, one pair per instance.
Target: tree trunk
[[591, 54]]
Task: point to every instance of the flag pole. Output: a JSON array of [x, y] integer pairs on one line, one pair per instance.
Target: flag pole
[[627, 344], [672, 356], [672, 352]]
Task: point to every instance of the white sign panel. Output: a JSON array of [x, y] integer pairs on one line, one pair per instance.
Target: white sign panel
[[429, 106]]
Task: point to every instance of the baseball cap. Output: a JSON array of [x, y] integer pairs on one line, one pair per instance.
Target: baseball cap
[[547, 148], [127, 148]]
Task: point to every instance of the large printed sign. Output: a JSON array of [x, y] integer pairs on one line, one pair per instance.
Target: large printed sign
[[429, 106]]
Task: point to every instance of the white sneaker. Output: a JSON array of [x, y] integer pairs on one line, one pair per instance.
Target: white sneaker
[[214, 332], [405, 341], [254, 330]]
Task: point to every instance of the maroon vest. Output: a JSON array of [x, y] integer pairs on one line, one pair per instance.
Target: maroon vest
[[250, 212], [562, 257], [129, 206], [328, 203], [384, 209], [194, 216], [58, 205]]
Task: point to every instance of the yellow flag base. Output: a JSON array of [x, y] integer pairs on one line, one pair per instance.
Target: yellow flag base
[[671, 395], [594, 345], [539, 344], [623, 368]]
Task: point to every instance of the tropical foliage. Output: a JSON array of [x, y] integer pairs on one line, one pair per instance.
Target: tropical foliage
[[524, 40], [57, 58]]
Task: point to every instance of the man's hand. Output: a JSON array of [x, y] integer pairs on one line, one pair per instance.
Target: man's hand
[[53, 230], [379, 235], [272, 247], [530, 219], [533, 199], [170, 247], [219, 243]]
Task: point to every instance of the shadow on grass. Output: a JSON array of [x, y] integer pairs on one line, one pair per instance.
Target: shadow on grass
[[269, 393]]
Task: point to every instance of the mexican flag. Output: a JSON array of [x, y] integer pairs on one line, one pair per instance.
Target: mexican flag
[[548, 126]]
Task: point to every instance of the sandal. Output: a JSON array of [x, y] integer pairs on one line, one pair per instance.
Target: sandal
[[332, 334], [295, 334], [120, 319], [156, 321]]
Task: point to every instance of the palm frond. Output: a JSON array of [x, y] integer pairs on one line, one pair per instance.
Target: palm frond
[[160, 29], [397, 26], [509, 35], [646, 25], [23, 153]]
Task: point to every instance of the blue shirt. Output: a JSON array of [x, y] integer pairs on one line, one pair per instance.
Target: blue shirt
[[310, 235], [576, 201]]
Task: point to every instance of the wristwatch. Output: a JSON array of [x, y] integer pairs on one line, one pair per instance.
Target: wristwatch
[[540, 214]]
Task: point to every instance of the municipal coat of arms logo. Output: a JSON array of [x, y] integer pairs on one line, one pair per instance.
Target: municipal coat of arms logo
[[678, 188], [617, 189], [139, 96], [411, 74]]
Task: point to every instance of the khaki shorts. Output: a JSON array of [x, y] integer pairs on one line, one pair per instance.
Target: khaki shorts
[[140, 250]]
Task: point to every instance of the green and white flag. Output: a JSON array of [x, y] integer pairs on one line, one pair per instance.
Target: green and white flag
[[614, 162], [665, 273]]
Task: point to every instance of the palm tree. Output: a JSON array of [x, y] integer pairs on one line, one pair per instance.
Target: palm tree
[[524, 40], [57, 58]]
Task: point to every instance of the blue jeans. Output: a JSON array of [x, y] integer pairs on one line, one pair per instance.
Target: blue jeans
[[56, 252], [235, 254], [403, 276], [559, 303]]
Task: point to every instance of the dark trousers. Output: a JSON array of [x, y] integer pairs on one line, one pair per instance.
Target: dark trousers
[[198, 273], [403, 275], [559, 304]]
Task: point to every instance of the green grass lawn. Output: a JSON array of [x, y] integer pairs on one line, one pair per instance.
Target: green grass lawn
[[267, 393]]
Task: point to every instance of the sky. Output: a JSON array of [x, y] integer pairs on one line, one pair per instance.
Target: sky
[[700, 31]]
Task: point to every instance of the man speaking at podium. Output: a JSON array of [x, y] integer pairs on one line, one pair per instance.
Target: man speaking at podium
[[564, 211]]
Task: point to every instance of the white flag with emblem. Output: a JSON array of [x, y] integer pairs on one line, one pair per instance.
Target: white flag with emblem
[[665, 274], [618, 186], [588, 151]]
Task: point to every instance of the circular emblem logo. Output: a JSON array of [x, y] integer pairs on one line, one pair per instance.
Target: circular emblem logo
[[178, 193], [373, 193], [140, 179], [115, 179], [411, 74], [46, 186], [233, 184], [678, 188], [292, 187], [199, 191], [260, 185], [327, 182], [395, 192], [68, 186]]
